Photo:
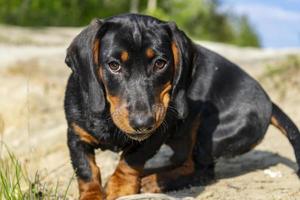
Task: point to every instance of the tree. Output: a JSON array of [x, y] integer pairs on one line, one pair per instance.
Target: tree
[[201, 19], [246, 35]]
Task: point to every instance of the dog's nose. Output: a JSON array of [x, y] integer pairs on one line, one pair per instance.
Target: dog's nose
[[142, 123]]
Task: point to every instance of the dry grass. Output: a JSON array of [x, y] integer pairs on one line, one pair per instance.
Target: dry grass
[[283, 76], [15, 183]]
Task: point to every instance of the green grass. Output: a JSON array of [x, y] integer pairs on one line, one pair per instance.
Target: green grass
[[15, 183]]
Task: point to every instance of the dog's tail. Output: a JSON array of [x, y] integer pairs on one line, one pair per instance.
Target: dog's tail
[[281, 121]]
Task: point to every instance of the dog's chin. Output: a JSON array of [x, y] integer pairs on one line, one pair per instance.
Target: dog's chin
[[140, 136]]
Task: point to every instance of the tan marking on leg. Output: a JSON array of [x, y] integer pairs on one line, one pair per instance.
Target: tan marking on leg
[[91, 189], [152, 183], [124, 181], [84, 135]]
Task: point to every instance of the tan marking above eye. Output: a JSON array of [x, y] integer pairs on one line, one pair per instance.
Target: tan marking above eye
[[91, 189], [124, 56], [150, 53]]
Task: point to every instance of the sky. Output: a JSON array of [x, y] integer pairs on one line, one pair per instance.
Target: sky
[[276, 21]]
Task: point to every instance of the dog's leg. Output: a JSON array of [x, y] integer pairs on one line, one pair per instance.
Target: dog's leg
[[184, 172], [124, 181], [184, 167], [169, 180], [83, 161], [127, 176]]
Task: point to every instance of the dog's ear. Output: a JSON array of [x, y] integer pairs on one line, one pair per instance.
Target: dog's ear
[[182, 55], [82, 58]]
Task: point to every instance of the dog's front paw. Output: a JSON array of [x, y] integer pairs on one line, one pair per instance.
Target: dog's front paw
[[124, 181], [150, 184], [119, 186], [91, 190], [174, 179], [92, 195]]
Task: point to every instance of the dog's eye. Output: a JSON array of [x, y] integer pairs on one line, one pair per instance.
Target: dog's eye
[[114, 66], [159, 64]]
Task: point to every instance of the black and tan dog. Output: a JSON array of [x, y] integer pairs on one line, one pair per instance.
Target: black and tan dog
[[137, 83]]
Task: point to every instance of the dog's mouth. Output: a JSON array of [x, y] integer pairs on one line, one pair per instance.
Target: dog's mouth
[[140, 136], [120, 119]]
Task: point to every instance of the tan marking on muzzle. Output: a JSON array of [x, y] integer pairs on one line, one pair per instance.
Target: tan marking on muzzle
[[124, 181], [91, 189], [164, 96], [163, 102], [119, 114]]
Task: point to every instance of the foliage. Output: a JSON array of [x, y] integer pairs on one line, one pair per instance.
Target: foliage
[[245, 33], [15, 183], [57, 12], [201, 19]]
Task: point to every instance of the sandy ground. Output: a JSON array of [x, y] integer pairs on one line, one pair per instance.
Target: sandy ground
[[33, 78]]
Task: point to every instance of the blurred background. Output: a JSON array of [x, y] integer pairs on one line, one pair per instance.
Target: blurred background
[[216, 24], [263, 37]]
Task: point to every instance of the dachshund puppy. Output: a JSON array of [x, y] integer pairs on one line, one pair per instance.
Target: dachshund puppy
[[137, 83]]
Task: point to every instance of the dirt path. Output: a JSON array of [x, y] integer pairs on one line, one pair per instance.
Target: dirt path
[[33, 77]]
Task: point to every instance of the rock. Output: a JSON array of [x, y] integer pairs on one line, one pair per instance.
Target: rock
[[151, 196]]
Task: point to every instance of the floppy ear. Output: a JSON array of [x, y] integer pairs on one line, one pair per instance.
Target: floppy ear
[[82, 58], [182, 53]]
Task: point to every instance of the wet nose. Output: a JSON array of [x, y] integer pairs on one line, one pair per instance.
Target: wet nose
[[143, 122]]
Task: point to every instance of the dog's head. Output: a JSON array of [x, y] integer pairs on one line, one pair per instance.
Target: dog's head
[[134, 65]]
